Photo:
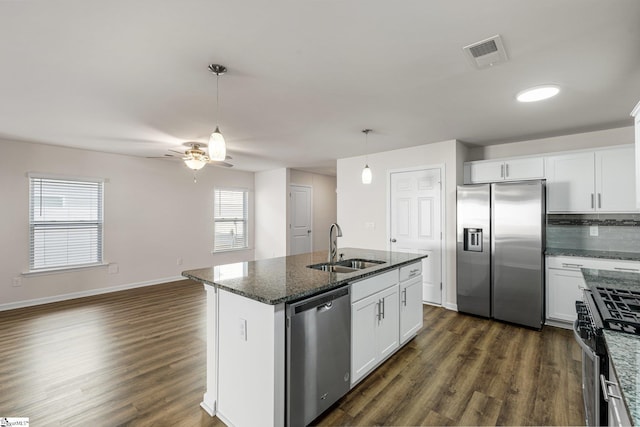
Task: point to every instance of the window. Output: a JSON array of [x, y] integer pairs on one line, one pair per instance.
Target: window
[[230, 217], [65, 223]]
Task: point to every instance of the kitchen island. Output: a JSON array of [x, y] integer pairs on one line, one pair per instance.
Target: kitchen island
[[246, 318]]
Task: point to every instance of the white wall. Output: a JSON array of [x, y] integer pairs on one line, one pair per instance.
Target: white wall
[[578, 141], [324, 204], [359, 203], [153, 215], [272, 202]]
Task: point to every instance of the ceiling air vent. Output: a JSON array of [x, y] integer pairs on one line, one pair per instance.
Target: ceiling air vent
[[486, 53]]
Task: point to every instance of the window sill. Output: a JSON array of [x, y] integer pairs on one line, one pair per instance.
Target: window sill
[[230, 250], [68, 269]]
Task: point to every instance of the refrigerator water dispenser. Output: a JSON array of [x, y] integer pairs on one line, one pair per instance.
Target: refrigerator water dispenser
[[473, 239]]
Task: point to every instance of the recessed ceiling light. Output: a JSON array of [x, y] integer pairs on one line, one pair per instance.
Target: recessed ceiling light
[[537, 93]]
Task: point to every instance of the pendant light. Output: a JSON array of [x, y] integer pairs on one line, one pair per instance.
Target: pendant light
[[217, 145], [366, 172]]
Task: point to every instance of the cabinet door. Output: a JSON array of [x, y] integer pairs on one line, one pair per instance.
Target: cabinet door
[[564, 289], [487, 172], [410, 308], [388, 330], [529, 168], [615, 180], [570, 183], [364, 349]]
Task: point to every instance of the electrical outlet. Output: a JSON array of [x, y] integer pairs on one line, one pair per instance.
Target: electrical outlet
[[179, 261], [370, 225], [16, 282], [593, 230], [113, 268]]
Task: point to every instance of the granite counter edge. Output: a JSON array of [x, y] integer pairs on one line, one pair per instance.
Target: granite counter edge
[[294, 297]]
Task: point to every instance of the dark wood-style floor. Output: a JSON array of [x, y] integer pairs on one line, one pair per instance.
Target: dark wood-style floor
[[137, 357]]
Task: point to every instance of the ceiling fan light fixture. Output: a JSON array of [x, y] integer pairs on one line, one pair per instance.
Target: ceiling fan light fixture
[[217, 146], [537, 93], [195, 163]]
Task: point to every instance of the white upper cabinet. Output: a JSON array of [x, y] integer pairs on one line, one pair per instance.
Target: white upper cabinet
[[570, 181], [615, 183], [600, 181], [636, 119], [503, 170]]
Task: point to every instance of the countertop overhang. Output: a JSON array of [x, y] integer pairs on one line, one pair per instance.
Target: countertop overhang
[[584, 253], [286, 279]]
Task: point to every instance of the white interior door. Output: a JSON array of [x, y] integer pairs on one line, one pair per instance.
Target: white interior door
[[300, 219], [415, 224]]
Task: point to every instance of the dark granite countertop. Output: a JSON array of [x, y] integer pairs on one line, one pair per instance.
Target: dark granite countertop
[[624, 355], [611, 279], [285, 279], [626, 256]]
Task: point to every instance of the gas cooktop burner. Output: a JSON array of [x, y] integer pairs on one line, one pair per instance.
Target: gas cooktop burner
[[620, 309]]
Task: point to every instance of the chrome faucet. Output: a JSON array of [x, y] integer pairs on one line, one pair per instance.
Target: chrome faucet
[[333, 242]]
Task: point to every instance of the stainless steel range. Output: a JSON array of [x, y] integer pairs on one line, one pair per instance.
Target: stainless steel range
[[602, 308]]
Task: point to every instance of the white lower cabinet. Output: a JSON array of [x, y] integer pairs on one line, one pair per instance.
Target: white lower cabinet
[[374, 330], [565, 283], [410, 308], [564, 288]]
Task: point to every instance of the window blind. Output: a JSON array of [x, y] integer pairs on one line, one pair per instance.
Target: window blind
[[230, 218], [65, 223]]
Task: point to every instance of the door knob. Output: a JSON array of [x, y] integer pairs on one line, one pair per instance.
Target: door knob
[[393, 240], [308, 231]]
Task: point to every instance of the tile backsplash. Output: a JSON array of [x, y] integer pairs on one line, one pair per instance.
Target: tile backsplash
[[615, 232]]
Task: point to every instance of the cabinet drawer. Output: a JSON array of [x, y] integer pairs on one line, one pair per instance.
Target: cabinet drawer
[[576, 263], [409, 271], [371, 285]]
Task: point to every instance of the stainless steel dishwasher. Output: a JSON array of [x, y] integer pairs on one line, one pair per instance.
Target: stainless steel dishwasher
[[318, 354]]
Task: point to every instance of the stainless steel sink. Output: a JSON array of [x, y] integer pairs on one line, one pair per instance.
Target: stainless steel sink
[[347, 265]]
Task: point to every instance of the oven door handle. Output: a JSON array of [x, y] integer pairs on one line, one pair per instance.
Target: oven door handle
[[581, 343]]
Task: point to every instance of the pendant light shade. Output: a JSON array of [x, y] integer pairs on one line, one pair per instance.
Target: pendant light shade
[[367, 176], [217, 146]]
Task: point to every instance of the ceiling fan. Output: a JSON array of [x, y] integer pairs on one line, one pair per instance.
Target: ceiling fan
[[195, 156]]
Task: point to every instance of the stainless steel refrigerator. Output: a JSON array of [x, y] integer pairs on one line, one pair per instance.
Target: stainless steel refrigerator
[[500, 251]]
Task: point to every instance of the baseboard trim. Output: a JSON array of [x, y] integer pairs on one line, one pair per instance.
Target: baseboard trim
[[82, 294], [450, 306]]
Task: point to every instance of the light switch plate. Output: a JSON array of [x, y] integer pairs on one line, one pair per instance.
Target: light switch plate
[[243, 329], [593, 230], [370, 225]]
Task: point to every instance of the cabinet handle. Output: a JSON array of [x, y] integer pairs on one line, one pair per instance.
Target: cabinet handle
[[599, 200], [605, 388], [506, 170], [592, 205], [379, 311], [414, 272], [567, 265], [404, 297], [625, 269], [501, 171], [382, 300]]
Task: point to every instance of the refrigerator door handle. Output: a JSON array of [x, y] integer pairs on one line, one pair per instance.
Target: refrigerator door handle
[[502, 171], [592, 204]]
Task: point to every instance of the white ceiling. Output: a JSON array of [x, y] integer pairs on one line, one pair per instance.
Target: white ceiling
[[305, 76]]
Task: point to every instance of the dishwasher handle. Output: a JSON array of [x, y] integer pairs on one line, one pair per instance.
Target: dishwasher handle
[[321, 303]]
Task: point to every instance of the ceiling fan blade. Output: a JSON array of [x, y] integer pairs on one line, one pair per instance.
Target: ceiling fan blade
[[178, 152], [221, 164]]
